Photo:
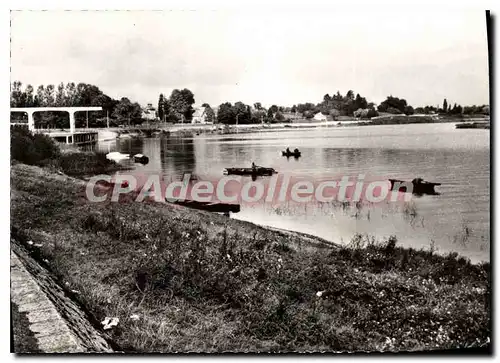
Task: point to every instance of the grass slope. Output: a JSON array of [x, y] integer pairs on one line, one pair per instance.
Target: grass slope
[[202, 282]]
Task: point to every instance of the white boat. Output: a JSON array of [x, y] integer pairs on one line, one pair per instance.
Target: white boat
[[117, 156]]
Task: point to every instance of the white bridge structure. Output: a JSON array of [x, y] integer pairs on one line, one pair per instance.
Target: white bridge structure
[[73, 137]]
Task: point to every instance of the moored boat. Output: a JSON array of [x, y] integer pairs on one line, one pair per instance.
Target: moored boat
[[139, 158], [416, 186], [209, 206], [473, 125], [117, 156]]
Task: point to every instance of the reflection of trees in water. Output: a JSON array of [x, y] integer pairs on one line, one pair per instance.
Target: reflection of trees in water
[[178, 156], [131, 146], [382, 162], [152, 149], [342, 159]]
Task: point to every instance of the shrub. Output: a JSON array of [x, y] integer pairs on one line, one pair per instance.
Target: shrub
[[84, 163], [32, 149]]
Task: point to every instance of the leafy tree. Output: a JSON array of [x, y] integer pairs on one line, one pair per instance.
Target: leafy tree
[[258, 116], [71, 96], [365, 113], [445, 105], [360, 102], [257, 106], [372, 113], [126, 111], [181, 104], [49, 95], [225, 114], [161, 107], [334, 113], [349, 95], [309, 114], [242, 113], [210, 113], [15, 94], [358, 113], [394, 110], [393, 105], [60, 96], [29, 96], [274, 109], [456, 110], [337, 97], [303, 107], [409, 110], [294, 109], [279, 116]]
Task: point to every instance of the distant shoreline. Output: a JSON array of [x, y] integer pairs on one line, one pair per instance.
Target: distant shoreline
[[189, 129], [248, 128]]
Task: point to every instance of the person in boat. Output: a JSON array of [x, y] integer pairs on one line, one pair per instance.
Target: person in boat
[[254, 167], [417, 181], [288, 150], [296, 151]]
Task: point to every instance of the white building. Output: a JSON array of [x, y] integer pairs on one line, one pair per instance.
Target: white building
[[149, 112], [199, 116], [319, 117]]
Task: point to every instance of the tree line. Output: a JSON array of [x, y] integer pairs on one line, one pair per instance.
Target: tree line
[[456, 109], [120, 112], [179, 107]]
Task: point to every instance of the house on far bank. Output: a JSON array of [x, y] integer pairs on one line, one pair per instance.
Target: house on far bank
[[320, 117], [199, 116], [149, 112]]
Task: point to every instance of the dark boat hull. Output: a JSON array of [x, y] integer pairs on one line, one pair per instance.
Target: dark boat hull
[[142, 159], [473, 125], [288, 155], [249, 171], [209, 206], [415, 188]]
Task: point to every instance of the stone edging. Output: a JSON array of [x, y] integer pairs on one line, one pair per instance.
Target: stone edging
[[50, 329]]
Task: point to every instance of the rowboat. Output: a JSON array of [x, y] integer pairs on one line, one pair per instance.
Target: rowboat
[[416, 186], [291, 153], [209, 206], [250, 171]]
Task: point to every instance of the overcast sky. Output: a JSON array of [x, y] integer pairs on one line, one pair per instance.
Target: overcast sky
[[273, 57]]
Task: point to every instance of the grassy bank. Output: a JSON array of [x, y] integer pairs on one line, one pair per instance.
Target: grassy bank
[[185, 280]]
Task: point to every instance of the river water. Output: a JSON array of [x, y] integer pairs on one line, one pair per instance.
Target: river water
[[458, 219]]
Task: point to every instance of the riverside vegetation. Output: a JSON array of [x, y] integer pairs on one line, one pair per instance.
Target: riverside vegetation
[[187, 280]]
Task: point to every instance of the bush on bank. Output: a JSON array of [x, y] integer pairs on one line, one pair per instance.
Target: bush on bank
[[31, 149], [40, 150]]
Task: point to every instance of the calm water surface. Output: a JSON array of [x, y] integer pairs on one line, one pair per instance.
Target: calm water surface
[[456, 220]]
